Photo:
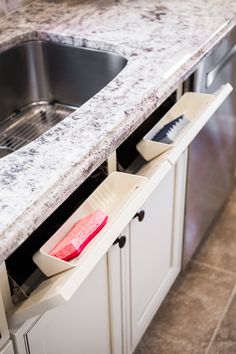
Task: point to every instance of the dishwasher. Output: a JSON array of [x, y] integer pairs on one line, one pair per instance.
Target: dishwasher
[[211, 164]]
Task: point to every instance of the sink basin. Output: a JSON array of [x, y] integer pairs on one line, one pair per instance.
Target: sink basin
[[42, 82]]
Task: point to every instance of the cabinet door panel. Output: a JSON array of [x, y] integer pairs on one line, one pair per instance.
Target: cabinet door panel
[[151, 250], [80, 326], [152, 257]]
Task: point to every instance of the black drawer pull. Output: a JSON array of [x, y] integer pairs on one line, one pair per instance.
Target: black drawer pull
[[140, 215], [121, 241]]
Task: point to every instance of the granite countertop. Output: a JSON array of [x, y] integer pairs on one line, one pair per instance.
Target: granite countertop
[[163, 42]]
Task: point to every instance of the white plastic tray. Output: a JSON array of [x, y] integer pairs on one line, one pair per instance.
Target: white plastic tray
[[114, 196], [197, 107]]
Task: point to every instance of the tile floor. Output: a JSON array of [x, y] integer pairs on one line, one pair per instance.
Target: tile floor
[[199, 314]]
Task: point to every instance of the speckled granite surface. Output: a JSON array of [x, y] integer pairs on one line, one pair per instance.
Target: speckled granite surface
[[163, 41], [7, 6]]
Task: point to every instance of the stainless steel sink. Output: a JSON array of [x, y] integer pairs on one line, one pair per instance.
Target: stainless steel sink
[[42, 82]]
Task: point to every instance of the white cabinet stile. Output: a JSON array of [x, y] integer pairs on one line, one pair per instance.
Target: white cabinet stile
[[115, 298]]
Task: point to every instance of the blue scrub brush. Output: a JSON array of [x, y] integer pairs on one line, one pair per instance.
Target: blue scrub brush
[[170, 131]]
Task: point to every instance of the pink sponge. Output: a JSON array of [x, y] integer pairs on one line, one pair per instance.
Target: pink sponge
[[79, 236]]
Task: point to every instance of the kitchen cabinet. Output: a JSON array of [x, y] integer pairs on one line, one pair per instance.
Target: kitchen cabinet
[[80, 326], [111, 293], [151, 259], [8, 348], [120, 195], [117, 301]]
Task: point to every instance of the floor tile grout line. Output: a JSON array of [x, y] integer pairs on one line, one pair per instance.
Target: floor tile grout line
[[224, 272], [221, 319], [214, 267]]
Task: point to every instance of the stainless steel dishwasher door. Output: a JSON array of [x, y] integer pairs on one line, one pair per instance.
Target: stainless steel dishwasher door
[[212, 154]]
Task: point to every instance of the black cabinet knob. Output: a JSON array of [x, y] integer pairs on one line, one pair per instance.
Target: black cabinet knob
[[121, 241], [140, 215]]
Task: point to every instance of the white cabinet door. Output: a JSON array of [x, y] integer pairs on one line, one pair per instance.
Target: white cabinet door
[[8, 348], [151, 254], [80, 326], [154, 250]]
